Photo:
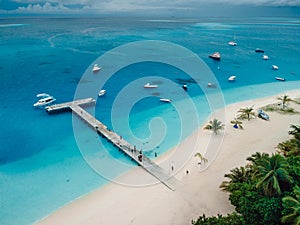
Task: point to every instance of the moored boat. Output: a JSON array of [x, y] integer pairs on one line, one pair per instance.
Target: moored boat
[[101, 93], [274, 67], [165, 100], [215, 56], [259, 50], [280, 78], [265, 57], [42, 95], [44, 101], [148, 85], [96, 68], [232, 78], [232, 43]]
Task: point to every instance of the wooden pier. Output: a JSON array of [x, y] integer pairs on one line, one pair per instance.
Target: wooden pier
[[67, 106], [142, 160]]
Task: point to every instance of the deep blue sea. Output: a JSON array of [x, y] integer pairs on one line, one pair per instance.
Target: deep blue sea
[[45, 160]]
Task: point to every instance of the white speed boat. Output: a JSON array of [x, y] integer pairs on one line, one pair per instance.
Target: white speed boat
[[42, 95], [232, 78], [265, 57], [274, 67], [148, 85], [101, 93], [44, 101], [232, 43], [215, 56], [280, 78], [96, 68], [165, 100]]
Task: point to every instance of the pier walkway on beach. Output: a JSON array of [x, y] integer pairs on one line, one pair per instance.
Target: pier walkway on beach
[[137, 155]]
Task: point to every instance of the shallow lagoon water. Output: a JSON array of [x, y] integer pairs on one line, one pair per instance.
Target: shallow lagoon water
[[42, 167]]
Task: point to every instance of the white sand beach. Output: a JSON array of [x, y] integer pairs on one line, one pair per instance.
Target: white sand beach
[[196, 192]]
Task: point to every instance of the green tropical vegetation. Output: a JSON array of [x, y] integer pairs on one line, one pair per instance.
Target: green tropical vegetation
[[214, 125], [271, 174], [281, 107], [230, 219], [293, 205], [265, 190], [246, 113], [291, 147]]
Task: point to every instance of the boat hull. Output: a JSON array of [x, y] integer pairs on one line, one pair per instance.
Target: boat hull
[[101, 93], [280, 78], [165, 100], [215, 57], [43, 104], [259, 51]]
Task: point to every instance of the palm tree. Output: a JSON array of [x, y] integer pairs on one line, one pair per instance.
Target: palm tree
[[214, 125], [202, 158], [289, 148], [246, 113], [257, 156], [294, 205], [284, 99], [272, 174], [237, 123], [284, 148], [295, 131], [237, 176]]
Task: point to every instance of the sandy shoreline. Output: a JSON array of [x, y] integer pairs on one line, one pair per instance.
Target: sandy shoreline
[[196, 192]]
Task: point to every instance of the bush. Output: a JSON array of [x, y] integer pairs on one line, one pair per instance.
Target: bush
[[230, 219]]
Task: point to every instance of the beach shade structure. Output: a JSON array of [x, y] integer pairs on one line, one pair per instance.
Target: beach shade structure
[[261, 114]]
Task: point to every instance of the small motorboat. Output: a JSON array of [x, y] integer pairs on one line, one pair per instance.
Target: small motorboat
[[215, 56], [274, 67], [265, 57], [165, 100], [232, 78], [44, 101], [148, 85], [42, 95], [280, 78], [184, 87], [259, 50], [232, 43], [261, 114], [96, 68], [101, 93]]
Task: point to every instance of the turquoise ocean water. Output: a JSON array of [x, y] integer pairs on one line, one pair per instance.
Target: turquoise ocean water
[[41, 166]]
